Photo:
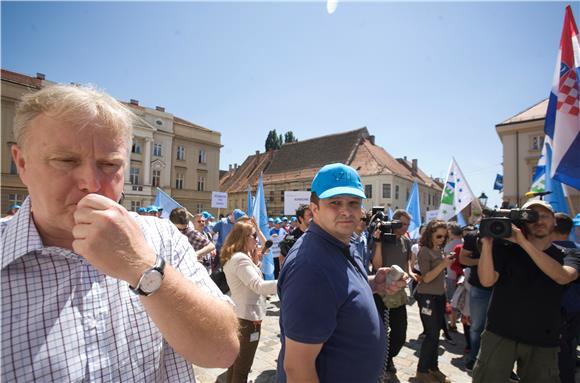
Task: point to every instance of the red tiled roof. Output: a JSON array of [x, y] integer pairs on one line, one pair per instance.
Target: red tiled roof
[[22, 79]]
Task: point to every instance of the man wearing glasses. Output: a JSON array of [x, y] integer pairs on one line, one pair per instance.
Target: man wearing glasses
[[200, 243]]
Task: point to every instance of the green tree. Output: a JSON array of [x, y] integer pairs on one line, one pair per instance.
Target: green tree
[[289, 137], [273, 141]]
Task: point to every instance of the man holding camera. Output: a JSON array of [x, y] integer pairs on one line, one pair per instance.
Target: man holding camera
[[329, 327], [529, 275], [388, 253]]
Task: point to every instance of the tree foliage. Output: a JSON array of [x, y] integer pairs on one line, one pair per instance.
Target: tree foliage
[[274, 140]]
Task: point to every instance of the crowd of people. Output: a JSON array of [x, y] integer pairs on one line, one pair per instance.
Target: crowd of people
[[92, 292]]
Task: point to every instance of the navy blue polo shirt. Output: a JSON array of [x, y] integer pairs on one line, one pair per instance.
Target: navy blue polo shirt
[[326, 299]]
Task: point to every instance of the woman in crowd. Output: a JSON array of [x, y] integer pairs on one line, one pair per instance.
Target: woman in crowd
[[431, 298], [248, 290]]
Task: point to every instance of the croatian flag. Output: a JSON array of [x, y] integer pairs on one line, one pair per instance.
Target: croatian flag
[[562, 126]]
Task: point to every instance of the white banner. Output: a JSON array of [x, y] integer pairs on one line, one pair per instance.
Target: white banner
[[219, 200], [293, 199], [430, 215]]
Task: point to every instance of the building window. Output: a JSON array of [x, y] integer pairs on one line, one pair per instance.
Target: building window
[[136, 148], [200, 183], [135, 205], [406, 199], [201, 157], [199, 208], [180, 153], [396, 191], [429, 199], [134, 176], [16, 199], [386, 190], [282, 195], [179, 180], [156, 178], [537, 143], [157, 150], [271, 196], [13, 169], [369, 191]]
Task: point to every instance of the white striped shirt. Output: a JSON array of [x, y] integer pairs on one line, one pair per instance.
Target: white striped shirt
[[64, 321]]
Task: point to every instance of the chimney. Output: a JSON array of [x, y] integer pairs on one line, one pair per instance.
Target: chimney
[[235, 166], [134, 102], [40, 76], [230, 167], [257, 153], [372, 139], [160, 108], [414, 166], [405, 158]]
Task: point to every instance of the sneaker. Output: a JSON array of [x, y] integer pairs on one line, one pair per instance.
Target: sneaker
[[425, 377], [514, 378], [439, 376], [469, 365]]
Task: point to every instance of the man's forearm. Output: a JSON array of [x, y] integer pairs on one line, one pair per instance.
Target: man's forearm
[[466, 260], [301, 374], [206, 249], [548, 265], [486, 270], [202, 328]]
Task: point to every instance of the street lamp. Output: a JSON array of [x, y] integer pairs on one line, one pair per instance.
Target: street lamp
[[482, 200]]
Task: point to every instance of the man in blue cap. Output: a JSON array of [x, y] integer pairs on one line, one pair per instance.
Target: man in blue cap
[[330, 328]]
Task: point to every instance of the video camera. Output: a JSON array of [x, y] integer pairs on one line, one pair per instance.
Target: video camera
[[498, 223], [379, 220]]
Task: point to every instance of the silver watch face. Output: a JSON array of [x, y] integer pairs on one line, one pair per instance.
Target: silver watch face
[[151, 281]]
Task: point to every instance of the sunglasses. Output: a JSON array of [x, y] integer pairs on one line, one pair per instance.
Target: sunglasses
[[440, 236], [254, 235]]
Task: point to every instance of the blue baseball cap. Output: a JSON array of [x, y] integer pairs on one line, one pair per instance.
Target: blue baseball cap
[[239, 214], [15, 206], [285, 219], [152, 209], [293, 219], [576, 220], [142, 210], [270, 219], [206, 215], [337, 179], [277, 221]]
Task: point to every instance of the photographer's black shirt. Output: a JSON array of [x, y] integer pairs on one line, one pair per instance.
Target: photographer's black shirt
[[470, 244], [525, 303]]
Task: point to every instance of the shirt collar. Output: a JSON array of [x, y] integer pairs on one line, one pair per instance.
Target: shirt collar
[[317, 230], [20, 237]]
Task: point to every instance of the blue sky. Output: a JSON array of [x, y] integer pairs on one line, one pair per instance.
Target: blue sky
[[430, 80]]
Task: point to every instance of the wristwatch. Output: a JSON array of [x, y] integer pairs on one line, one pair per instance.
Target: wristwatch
[[151, 279]]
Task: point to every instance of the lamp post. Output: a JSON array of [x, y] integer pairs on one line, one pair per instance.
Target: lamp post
[[482, 200]]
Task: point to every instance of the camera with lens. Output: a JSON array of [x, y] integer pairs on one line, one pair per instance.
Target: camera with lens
[[286, 244], [379, 220], [498, 223]]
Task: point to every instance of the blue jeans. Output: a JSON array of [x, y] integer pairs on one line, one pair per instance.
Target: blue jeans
[[478, 304]]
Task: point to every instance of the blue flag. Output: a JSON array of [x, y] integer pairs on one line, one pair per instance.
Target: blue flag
[[498, 184], [164, 201], [414, 209], [390, 213], [250, 201], [562, 125], [461, 220], [260, 213]]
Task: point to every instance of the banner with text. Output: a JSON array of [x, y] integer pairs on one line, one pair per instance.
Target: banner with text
[[219, 200], [293, 199], [430, 215]]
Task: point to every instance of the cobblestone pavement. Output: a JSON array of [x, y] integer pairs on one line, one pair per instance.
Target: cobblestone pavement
[[451, 357]]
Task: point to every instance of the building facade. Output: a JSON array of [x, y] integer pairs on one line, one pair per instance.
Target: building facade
[[167, 152], [387, 180]]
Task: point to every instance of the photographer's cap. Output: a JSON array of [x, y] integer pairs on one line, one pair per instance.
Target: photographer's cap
[[538, 202], [337, 179]]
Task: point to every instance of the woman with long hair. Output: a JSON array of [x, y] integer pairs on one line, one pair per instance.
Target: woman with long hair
[[248, 290], [431, 298]]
